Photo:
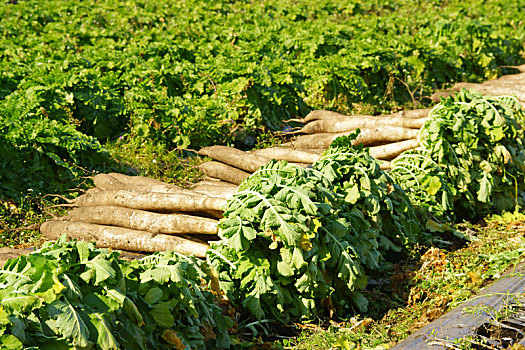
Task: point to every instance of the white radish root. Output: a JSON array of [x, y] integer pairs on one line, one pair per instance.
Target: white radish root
[[144, 220], [288, 154], [215, 191], [123, 238], [224, 172], [174, 202], [385, 165], [367, 137], [387, 152], [412, 114], [145, 184], [319, 114], [235, 157], [353, 123], [215, 182]]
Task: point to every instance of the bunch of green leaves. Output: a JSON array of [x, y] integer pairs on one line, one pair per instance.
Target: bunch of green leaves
[[285, 251], [42, 155], [71, 295], [382, 205], [298, 241], [425, 183], [475, 147]]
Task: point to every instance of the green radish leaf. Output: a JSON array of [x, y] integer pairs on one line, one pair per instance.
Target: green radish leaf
[[285, 269], [70, 322], [352, 194], [153, 295], [103, 269], [131, 309], [4, 317], [105, 339], [73, 291], [10, 342], [162, 315], [18, 328], [253, 304], [431, 184], [485, 189], [19, 303], [83, 251], [360, 301]]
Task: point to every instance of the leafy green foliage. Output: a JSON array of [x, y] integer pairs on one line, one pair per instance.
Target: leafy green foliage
[[296, 242], [472, 159], [194, 73], [283, 247], [382, 205], [71, 295], [425, 183], [34, 153], [439, 280]]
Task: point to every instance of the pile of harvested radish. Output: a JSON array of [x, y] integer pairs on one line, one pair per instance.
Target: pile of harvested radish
[[142, 214], [137, 213], [511, 84], [387, 136]]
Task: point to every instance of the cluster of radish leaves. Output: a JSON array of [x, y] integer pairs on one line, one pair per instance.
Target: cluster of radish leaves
[[72, 295], [425, 183], [355, 175], [283, 245], [471, 160], [298, 242]]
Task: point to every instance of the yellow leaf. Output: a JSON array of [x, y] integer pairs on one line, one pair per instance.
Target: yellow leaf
[[517, 347], [305, 243], [57, 286], [172, 338], [317, 224], [474, 276], [273, 245]]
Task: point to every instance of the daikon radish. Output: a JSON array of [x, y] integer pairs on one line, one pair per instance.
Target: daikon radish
[[123, 238], [215, 191], [174, 202], [235, 157], [147, 184], [411, 114], [107, 182], [289, 154], [367, 137], [384, 165], [353, 123], [224, 172], [144, 220], [392, 150], [320, 114], [216, 182]]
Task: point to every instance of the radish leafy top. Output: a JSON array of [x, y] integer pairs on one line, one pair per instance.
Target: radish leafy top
[[72, 295], [297, 242], [473, 157]]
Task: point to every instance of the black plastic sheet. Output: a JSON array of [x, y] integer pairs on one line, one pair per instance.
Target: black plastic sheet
[[482, 317]]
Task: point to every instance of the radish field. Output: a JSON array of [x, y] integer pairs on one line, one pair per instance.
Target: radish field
[[397, 196], [76, 76]]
